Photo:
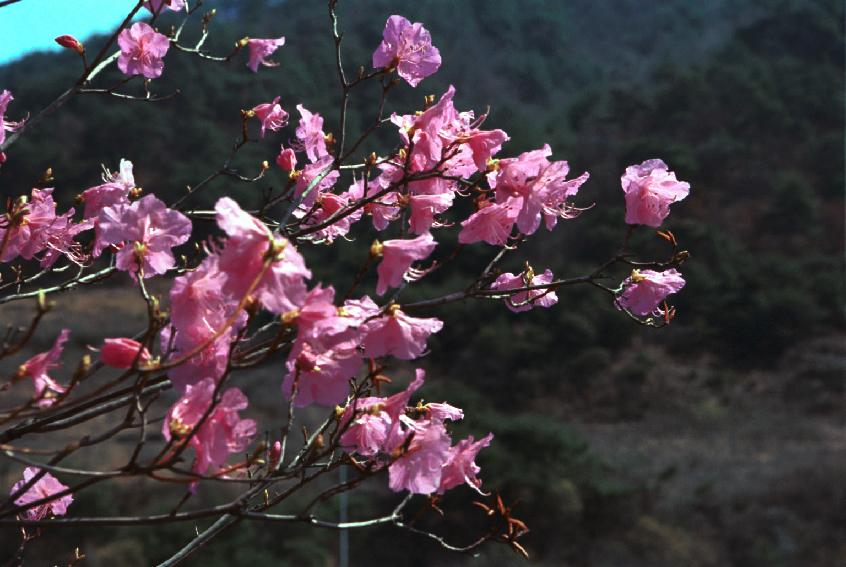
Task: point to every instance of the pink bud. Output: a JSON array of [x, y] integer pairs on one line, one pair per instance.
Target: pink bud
[[275, 454], [286, 159], [121, 353], [70, 42]]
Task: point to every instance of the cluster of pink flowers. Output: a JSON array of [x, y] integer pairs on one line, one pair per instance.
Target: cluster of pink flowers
[[412, 441], [251, 267], [220, 430]]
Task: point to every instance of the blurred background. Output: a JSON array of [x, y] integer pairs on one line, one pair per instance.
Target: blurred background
[[719, 440]]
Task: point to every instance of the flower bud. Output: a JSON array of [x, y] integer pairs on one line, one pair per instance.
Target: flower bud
[[70, 42], [275, 455], [122, 352], [287, 159]]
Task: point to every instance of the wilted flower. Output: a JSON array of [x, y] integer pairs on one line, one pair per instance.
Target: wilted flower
[[260, 50]]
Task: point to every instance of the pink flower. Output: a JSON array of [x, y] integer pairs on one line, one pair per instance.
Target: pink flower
[[123, 352], [644, 290], [540, 184], [397, 257], [328, 204], [376, 427], [485, 143], [148, 230], [442, 411], [5, 125], [272, 115], [322, 377], [282, 288], [199, 309], [156, 6], [310, 134], [425, 207], [142, 50], [408, 47], [44, 487], [37, 367], [260, 50], [460, 466], [309, 174], [36, 228], [492, 223], [398, 335], [650, 190], [526, 300], [114, 190], [420, 469], [222, 433], [70, 42], [286, 159]]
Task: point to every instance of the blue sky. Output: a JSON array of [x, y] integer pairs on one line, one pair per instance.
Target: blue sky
[[31, 25]]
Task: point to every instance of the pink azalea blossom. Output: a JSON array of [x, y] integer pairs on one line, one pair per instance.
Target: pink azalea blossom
[[44, 487], [540, 184], [142, 50], [310, 134], [408, 48], [198, 310], [650, 190], [328, 204], [425, 207], [420, 468], [644, 290], [399, 335], [157, 6], [260, 50], [114, 190], [123, 352], [484, 144], [322, 378], [6, 125], [376, 426], [492, 223], [282, 288], [526, 300], [460, 467], [37, 368], [224, 432], [272, 115], [397, 258], [38, 229], [442, 411], [148, 230], [384, 210], [318, 169], [287, 159]]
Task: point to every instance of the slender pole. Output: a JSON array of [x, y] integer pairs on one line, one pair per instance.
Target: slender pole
[[344, 536]]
